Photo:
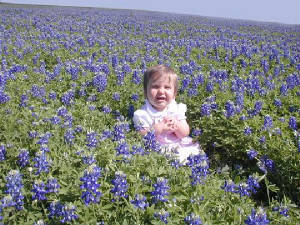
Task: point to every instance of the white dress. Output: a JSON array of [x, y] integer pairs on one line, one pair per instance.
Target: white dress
[[147, 115]]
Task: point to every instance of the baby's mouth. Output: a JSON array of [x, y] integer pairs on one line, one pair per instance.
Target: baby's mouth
[[160, 98]]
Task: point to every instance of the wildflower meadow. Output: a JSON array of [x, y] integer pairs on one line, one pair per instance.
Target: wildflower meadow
[[70, 80]]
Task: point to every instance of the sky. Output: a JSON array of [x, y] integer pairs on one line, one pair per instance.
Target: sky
[[280, 11]]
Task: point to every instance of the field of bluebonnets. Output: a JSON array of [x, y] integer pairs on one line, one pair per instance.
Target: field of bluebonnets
[[70, 79]]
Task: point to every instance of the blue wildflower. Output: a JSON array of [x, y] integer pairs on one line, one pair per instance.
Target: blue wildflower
[[23, 157], [277, 103], [2, 152], [199, 167], [41, 162], [68, 213], [162, 215], [192, 219], [229, 109], [90, 184], [140, 202], [120, 186], [247, 131], [268, 122], [69, 136], [252, 153], [258, 217], [293, 123], [229, 186], [91, 139], [100, 82], [161, 189], [52, 185], [137, 150], [253, 183], [150, 142], [122, 148], [205, 109], [39, 190], [14, 186]]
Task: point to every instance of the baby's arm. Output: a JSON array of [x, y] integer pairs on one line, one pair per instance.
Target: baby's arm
[[182, 128]]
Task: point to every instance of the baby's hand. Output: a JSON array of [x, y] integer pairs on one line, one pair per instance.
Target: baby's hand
[[171, 124]]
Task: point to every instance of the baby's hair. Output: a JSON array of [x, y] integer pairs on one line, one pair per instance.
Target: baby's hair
[[159, 70]]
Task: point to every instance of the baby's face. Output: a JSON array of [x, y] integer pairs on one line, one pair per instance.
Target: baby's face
[[161, 91]]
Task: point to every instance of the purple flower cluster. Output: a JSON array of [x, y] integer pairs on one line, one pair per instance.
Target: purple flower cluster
[[199, 167], [258, 217], [90, 185], [66, 213], [2, 152], [140, 201], [150, 142], [91, 139], [243, 189], [14, 186], [161, 189], [192, 219], [39, 190], [266, 164], [162, 215], [120, 186], [41, 162]]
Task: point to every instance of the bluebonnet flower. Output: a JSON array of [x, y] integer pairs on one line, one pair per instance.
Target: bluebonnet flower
[[44, 138], [140, 201], [192, 219], [55, 120], [106, 134], [106, 109], [209, 86], [14, 186], [266, 164], [199, 166], [120, 186], [23, 157], [196, 132], [68, 213], [229, 109], [161, 189], [62, 111], [277, 103], [262, 139], [68, 98], [150, 142], [32, 134], [258, 217], [2, 152], [122, 148], [136, 79], [4, 97], [253, 184], [116, 96], [137, 150], [283, 210], [118, 132], [41, 162], [78, 129], [90, 184], [52, 185], [55, 209], [185, 83], [192, 92], [229, 186], [92, 107], [251, 153], [52, 95], [268, 122], [243, 189], [88, 159], [91, 139], [247, 131], [100, 82], [69, 136], [39, 190], [283, 89], [162, 215], [293, 123], [205, 109], [6, 202], [135, 97]]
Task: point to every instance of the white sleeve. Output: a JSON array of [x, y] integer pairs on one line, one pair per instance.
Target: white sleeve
[[141, 119], [181, 109]]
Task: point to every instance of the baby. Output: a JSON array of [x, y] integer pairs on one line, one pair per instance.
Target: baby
[[162, 114]]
